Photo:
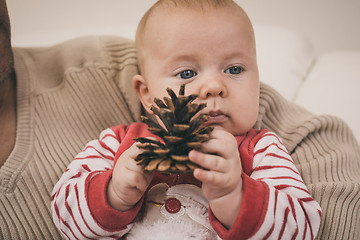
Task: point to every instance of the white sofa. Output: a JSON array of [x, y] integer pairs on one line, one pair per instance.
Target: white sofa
[[325, 84]]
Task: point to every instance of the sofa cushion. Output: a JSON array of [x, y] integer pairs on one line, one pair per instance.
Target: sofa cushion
[[332, 87], [284, 58]]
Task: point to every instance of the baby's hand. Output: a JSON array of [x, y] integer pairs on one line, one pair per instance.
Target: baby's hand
[[221, 183], [128, 182]]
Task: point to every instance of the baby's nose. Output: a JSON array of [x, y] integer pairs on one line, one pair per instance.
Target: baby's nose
[[212, 87]]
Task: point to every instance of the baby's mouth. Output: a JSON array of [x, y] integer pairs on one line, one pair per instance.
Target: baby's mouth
[[217, 117]]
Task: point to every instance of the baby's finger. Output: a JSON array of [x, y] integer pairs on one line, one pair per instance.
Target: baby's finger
[[221, 143], [209, 161], [133, 175], [209, 177], [143, 180], [214, 146], [133, 151], [128, 159]]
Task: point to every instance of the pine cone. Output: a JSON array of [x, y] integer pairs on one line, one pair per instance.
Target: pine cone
[[180, 135]]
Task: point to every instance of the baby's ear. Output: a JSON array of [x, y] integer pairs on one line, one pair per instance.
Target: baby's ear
[[142, 90]]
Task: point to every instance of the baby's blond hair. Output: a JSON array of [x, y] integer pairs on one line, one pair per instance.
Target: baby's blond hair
[[201, 5], [195, 4]]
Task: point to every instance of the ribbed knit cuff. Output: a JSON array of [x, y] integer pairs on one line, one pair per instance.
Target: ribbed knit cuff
[[252, 211], [106, 216]]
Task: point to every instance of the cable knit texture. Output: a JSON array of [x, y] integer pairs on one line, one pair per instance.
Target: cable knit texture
[[67, 94]]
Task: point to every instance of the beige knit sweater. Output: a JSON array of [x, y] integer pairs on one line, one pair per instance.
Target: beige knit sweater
[[70, 92]]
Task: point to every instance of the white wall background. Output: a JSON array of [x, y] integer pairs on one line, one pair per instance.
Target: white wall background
[[328, 24]]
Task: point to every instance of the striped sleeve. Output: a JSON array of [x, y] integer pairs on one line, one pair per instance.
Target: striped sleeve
[[70, 202], [291, 211]]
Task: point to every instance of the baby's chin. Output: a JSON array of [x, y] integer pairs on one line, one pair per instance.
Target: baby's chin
[[229, 127]]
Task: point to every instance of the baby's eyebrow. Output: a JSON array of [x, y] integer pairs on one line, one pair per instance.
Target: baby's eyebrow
[[183, 57], [236, 54]]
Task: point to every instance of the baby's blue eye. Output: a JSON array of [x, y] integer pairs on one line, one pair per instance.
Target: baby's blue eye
[[186, 74], [234, 70]]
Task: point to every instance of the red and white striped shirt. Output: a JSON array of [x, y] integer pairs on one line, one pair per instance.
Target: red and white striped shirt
[[275, 204]]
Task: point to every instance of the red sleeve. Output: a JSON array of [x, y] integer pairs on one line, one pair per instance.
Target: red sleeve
[[107, 217], [252, 211]]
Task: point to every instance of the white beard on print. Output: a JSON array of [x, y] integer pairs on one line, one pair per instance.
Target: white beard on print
[[177, 213]]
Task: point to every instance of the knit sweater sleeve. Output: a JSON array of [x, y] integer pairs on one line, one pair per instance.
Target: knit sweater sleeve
[[276, 203], [79, 205]]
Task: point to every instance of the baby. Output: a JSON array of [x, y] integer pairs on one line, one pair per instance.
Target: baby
[[250, 188]]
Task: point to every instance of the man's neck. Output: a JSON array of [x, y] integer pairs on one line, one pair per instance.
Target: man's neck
[[7, 117]]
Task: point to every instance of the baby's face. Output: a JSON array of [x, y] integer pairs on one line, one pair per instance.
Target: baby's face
[[213, 53]]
